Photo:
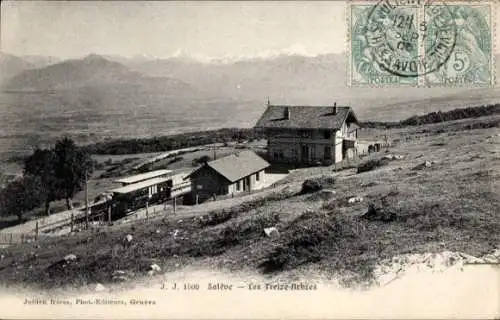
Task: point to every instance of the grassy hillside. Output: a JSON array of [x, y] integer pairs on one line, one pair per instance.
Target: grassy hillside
[[436, 117], [450, 204]]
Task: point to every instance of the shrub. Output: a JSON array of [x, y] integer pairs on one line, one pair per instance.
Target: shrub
[[372, 164], [217, 241], [316, 184], [218, 217], [201, 160], [303, 239]]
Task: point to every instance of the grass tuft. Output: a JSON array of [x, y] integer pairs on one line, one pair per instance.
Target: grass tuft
[[317, 184]]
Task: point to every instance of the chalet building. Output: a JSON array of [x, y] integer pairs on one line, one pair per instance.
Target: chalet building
[[309, 135], [241, 172]]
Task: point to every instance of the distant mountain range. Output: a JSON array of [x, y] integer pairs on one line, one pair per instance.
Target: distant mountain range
[[11, 65], [91, 71], [285, 79]]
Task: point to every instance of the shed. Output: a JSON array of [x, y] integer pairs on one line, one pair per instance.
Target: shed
[[236, 173]]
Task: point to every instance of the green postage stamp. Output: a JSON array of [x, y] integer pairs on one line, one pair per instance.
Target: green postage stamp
[[421, 43]]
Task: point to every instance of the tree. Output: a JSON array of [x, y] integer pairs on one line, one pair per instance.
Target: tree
[[61, 170], [73, 164], [21, 196], [41, 164]]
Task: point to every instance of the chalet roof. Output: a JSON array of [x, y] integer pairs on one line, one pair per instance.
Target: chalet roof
[[237, 166], [140, 185], [143, 176], [305, 117]]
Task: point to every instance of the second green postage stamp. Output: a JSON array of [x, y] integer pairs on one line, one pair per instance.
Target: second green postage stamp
[[421, 43]]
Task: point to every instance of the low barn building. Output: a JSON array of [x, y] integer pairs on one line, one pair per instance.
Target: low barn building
[[308, 135], [241, 172]]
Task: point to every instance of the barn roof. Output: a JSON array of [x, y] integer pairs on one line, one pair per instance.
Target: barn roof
[[237, 166], [305, 117]]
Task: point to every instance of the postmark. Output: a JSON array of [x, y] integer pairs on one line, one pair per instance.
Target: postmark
[[420, 43], [471, 62]]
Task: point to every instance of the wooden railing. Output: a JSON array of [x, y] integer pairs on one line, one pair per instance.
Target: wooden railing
[[18, 238]]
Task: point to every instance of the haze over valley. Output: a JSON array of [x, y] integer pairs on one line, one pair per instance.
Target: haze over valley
[[100, 97]]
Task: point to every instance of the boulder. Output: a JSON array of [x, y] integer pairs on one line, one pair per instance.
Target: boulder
[[489, 258], [120, 278], [155, 268], [355, 200], [327, 193], [99, 288], [393, 157], [70, 257], [271, 232], [119, 275], [377, 212], [468, 259], [426, 164]]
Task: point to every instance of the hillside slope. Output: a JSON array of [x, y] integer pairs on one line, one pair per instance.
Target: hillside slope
[[406, 207]]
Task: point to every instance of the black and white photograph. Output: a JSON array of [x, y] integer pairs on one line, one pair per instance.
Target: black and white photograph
[[249, 159]]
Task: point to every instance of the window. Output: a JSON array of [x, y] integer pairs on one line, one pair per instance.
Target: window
[[257, 176], [153, 190], [305, 134], [238, 185], [327, 134]]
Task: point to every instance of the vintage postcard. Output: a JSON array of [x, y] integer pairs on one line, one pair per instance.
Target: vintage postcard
[[249, 159]]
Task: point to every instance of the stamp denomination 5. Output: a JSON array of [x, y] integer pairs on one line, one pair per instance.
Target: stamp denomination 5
[[420, 43]]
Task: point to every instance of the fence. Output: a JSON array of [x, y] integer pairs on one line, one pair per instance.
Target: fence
[[18, 238]]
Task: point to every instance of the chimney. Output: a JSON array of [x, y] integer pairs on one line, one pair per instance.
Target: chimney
[[334, 111], [287, 113]]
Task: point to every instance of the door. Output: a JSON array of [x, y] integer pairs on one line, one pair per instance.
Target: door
[[246, 184], [249, 183], [304, 155]]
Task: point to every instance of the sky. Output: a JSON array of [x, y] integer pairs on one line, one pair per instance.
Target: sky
[[163, 29]]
